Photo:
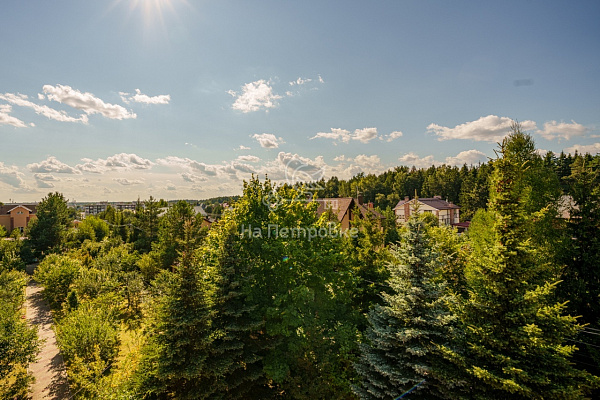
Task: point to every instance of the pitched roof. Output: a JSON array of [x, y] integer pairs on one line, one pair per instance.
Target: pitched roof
[[364, 211], [434, 202], [338, 206], [7, 208]]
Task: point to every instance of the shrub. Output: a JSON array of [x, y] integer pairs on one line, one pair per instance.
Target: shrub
[[55, 274]]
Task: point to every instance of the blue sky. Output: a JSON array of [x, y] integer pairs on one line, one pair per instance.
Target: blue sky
[[115, 100]]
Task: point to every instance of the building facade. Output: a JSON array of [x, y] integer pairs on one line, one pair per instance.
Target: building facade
[[17, 216], [446, 212]]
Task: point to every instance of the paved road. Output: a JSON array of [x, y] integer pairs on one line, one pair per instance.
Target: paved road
[[49, 369]]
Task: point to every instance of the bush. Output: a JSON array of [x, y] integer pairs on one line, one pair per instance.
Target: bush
[[18, 342], [55, 274], [85, 329]]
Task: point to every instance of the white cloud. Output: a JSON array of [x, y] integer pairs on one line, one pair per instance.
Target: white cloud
[[491, 129], [336, 134], [248, 158], [321, 79], [342, 135], [139, 97], [21, 100], [6, 119], [45, 177], [11, 176], [367, 161], [392, 136], [340, 158], [268, 140], [593, 149], [128, 182], [242, 147], [128, 161], [541, 152], [468, 157], [412, 159], [300, 81], [553, 129], [118, 161], [365, 135], [52, 164], [254, 96], [300, 169], [191, 165], [193, 178], [44, 181], [86, 102]]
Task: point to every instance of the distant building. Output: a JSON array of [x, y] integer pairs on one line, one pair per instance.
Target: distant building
[[17, 216], [566, 205], [446, 212], [97, 208], [344, 208]]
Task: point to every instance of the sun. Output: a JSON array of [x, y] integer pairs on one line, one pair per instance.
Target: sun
[[152, 12]]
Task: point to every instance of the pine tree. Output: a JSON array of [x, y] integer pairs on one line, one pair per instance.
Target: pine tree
[[235, 356], [173, 363], [400, 351], [514, 332]]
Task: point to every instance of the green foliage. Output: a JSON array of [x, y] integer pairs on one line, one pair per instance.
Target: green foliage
[[86, 328], [514, 331], [93, 228], [55, 274], [18, 342], [146, 222], [10, 255], [173, 360], [403, 333], [171, 232], [46, 231]]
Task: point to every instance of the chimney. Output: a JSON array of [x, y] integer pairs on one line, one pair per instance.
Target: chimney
[[406, 198], [370, 205], [360, 199]]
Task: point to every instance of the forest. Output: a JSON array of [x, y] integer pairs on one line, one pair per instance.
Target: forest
[[150, 306]]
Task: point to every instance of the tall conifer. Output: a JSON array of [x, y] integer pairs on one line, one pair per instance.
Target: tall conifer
[[515, 343], [400, 351]]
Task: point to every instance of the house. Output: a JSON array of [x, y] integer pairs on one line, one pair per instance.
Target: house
[[345, 208], [446, 212], [17, 216]]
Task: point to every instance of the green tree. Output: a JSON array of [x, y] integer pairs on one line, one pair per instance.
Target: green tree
[[171, 232], [18, 342], [173, 363], [515, 332], [46, 231], [56, 274], [145, 224], [400, 351]]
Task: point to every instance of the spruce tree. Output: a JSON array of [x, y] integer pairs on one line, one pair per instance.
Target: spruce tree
[[400, 351], [234, 357], [173, 363], [515, 334]]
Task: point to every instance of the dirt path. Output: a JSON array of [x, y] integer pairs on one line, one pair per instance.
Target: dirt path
[[49, 369]]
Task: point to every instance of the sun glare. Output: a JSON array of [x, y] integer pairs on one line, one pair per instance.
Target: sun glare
[[152, 12]]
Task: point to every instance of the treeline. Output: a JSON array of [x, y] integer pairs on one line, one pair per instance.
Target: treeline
[[467, 186], [156, 306]]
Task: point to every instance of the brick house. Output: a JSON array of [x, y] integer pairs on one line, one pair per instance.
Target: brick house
[[16, 216]]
